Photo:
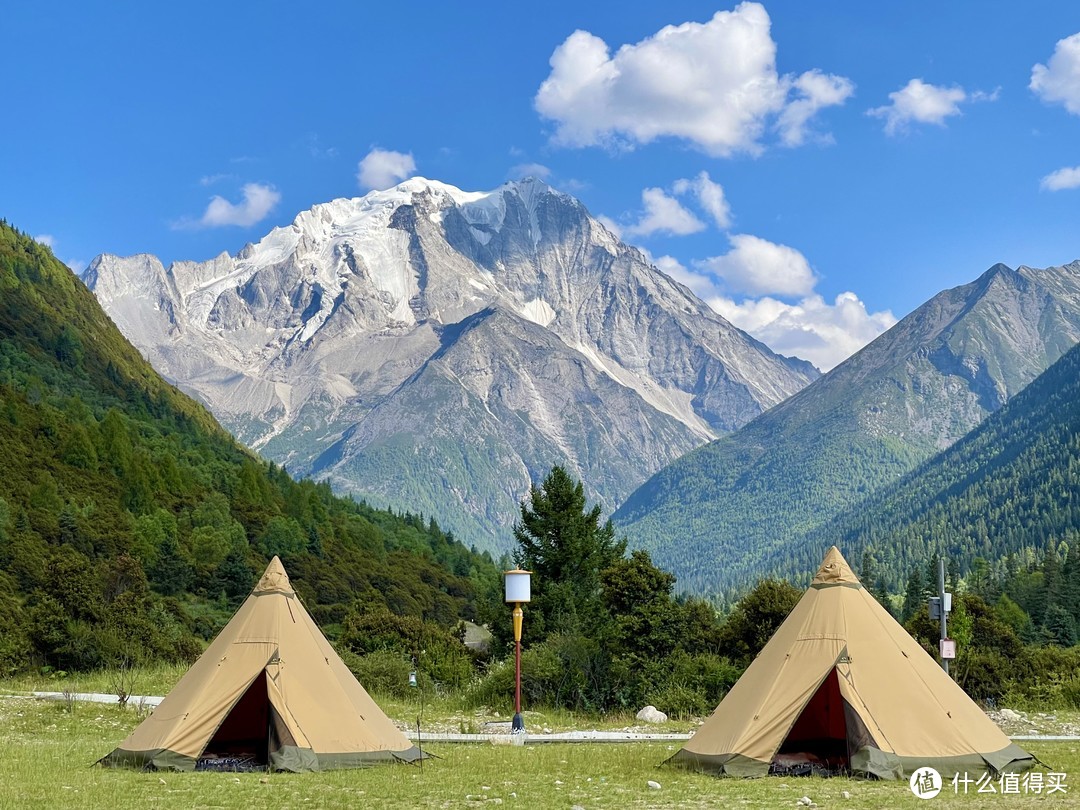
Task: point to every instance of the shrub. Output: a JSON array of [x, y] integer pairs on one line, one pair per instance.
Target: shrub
[[1070, 692], [712, 674], [383, 672], [564, 671], [440, 654], [987, 675], [15, 652], [678, 699]]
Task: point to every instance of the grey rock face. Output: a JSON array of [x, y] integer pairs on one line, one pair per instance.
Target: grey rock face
[[439, 350]]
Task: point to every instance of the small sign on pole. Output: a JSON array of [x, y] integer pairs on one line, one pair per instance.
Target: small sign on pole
[[948, 649]]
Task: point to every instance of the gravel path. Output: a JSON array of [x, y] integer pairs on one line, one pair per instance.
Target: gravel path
[[1018, 725]]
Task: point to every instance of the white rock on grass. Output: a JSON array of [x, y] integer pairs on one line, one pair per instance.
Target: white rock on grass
[[653, 785], [651, 714]]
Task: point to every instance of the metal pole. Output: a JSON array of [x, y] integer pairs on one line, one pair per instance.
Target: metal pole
[[944, 614], [518, 724]]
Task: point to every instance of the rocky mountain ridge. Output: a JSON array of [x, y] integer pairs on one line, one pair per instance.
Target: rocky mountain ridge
[[738, 507], [441, 349]]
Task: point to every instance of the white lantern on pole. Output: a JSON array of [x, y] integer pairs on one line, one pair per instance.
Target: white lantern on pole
[[518, 586]]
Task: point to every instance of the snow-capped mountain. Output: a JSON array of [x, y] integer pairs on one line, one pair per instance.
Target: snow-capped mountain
[[438, 350]]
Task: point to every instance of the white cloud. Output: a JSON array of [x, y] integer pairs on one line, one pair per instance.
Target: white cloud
[[982, 95], [714, 84], [610, 224], [663, 214], [1055, 181], [46, 239], [816, 91], [76, 265], [756, 266], [710, 195], [259, 201], [703, 286], [825, 334], [382, 168], [572, 185], [1059, 79], [537, 170], [920, 102]]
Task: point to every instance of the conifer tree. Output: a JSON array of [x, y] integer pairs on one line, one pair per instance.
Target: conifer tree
[[565, 546]]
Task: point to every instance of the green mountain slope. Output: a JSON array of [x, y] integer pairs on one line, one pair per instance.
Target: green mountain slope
[[728, 512], [129, 519], [1012, 483]]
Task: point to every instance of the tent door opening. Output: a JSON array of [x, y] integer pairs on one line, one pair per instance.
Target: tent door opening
[[243, 738], [819, 742]]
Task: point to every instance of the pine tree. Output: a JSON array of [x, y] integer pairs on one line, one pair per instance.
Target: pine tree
[[563, 543], [913, 595], [1059, 628], [171, 574], [1070, 583]]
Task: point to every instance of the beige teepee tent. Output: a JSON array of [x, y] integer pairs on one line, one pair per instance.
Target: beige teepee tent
[[269, 688], [842, 683]]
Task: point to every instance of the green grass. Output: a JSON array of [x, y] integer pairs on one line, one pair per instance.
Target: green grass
[[47, 751], [443, 713], [151, 679]]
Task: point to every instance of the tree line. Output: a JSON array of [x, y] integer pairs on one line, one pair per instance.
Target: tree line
[[131, 524]]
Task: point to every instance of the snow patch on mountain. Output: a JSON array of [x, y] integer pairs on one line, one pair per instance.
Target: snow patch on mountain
[[448, 346], [538, 311]]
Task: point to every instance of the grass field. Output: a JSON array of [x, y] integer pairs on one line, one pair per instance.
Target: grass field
[[47, 751]]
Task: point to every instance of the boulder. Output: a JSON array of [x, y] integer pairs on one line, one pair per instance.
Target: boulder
[[650, 714]]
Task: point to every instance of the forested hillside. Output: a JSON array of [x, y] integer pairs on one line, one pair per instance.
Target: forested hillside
[[1012, 483], [131, 523], [747, 504]]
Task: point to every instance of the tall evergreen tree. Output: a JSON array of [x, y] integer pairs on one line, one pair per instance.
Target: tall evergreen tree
[[1059, 628], [564, 544], [913, 595], [1070, 583]]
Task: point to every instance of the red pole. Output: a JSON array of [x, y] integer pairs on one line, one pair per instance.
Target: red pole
[[517, 677], [518, 723]]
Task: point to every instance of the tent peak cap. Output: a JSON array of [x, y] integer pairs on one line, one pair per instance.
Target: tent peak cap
[[835, 570], [274, 579]]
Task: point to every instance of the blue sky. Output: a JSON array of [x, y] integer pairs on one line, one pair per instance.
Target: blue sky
[[814, 170]]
